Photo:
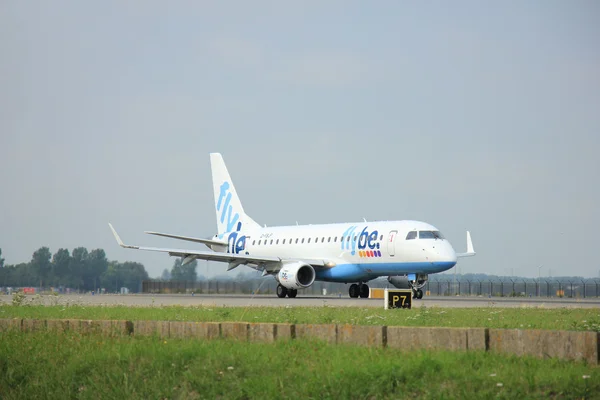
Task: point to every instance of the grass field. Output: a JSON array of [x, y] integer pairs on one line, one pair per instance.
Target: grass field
[[582, 319], [50, 365]]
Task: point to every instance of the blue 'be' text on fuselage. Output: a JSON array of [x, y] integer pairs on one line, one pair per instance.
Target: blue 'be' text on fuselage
[[365, 240]]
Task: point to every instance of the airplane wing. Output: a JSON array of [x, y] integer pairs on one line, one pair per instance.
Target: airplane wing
[[266, 263], [470, 251], [207, 242]]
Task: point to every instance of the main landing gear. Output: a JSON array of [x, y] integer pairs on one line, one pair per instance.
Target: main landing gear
[[417, 294], [282, 291], [361, 290]]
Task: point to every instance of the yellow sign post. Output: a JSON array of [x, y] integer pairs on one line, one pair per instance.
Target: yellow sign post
[[397, 298]]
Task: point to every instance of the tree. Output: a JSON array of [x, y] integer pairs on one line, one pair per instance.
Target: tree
[[166, 275], [41, 265], [78, 266], [184, 272], [61, 262], [95, 266], [128, 274], [133, 275], [1, 260]]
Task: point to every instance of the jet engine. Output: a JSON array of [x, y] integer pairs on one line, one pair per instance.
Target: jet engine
[[410, 281], [296, 275], [399, 281]]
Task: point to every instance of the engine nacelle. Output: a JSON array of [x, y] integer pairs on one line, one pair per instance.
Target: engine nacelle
[[399, 281], [296, 275], [410, 281]]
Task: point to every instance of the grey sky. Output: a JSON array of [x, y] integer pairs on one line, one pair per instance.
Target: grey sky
[[467, 115]]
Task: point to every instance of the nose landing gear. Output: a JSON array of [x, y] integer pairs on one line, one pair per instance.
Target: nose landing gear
[[417, 283], [356, 290]]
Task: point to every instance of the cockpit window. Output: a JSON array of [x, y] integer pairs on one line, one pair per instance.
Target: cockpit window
[[411, 235], [430, 235]]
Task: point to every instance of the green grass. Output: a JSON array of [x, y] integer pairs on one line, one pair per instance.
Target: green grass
[[51, 366], [580, 319]]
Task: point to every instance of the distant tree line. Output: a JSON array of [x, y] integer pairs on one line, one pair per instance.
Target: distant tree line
[[181, 272], [80, 270]]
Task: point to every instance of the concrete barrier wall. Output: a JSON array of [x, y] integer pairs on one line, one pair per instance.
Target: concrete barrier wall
[[33, 325], [374, 336], [427, 338], [327, 333], [265, 333], [568, 345], [234, 330], [57, 325], [10, 324], [151, 328], [284, 332]]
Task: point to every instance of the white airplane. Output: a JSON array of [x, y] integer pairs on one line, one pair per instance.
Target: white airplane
[[298, 255]]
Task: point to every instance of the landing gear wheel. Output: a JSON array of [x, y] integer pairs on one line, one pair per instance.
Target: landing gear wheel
[[292, 293], [364, 291], [418, 294], [354, 291], [281, 291]]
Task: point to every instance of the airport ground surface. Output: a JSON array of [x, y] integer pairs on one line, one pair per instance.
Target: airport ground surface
[[232, 300]]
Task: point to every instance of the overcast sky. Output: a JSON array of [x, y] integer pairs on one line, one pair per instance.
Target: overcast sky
[[466, 114]]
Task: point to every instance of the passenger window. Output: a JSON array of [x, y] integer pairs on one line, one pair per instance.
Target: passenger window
[[329, 239], [381, 237], [277, 242], [335, 238], [296, 240], [411, 235], [308, 240], [271, 241], [253, 242], [302, 240], [259, 242], [283, 241]]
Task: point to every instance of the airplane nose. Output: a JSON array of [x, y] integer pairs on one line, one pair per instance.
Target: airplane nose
[[451, 254], [443, 252], [446, 253]]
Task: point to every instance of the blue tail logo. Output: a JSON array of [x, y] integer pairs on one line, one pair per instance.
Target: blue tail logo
[[224, 206]]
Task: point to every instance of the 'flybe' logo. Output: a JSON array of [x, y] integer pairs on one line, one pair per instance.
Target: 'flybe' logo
[[236, 243], [365, 241], [226, 210]]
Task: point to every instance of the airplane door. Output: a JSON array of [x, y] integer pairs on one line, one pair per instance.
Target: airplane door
[[390, 246]]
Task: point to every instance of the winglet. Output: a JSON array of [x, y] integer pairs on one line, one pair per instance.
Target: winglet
[[469, 243], [119, 241], [470, 250]]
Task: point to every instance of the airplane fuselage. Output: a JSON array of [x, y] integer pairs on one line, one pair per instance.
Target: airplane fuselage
[[352, 251]]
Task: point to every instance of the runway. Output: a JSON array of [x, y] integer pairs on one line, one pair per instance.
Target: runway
[[187, 300]]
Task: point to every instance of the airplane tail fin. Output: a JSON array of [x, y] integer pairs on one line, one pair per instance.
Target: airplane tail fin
[[230, 213]]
